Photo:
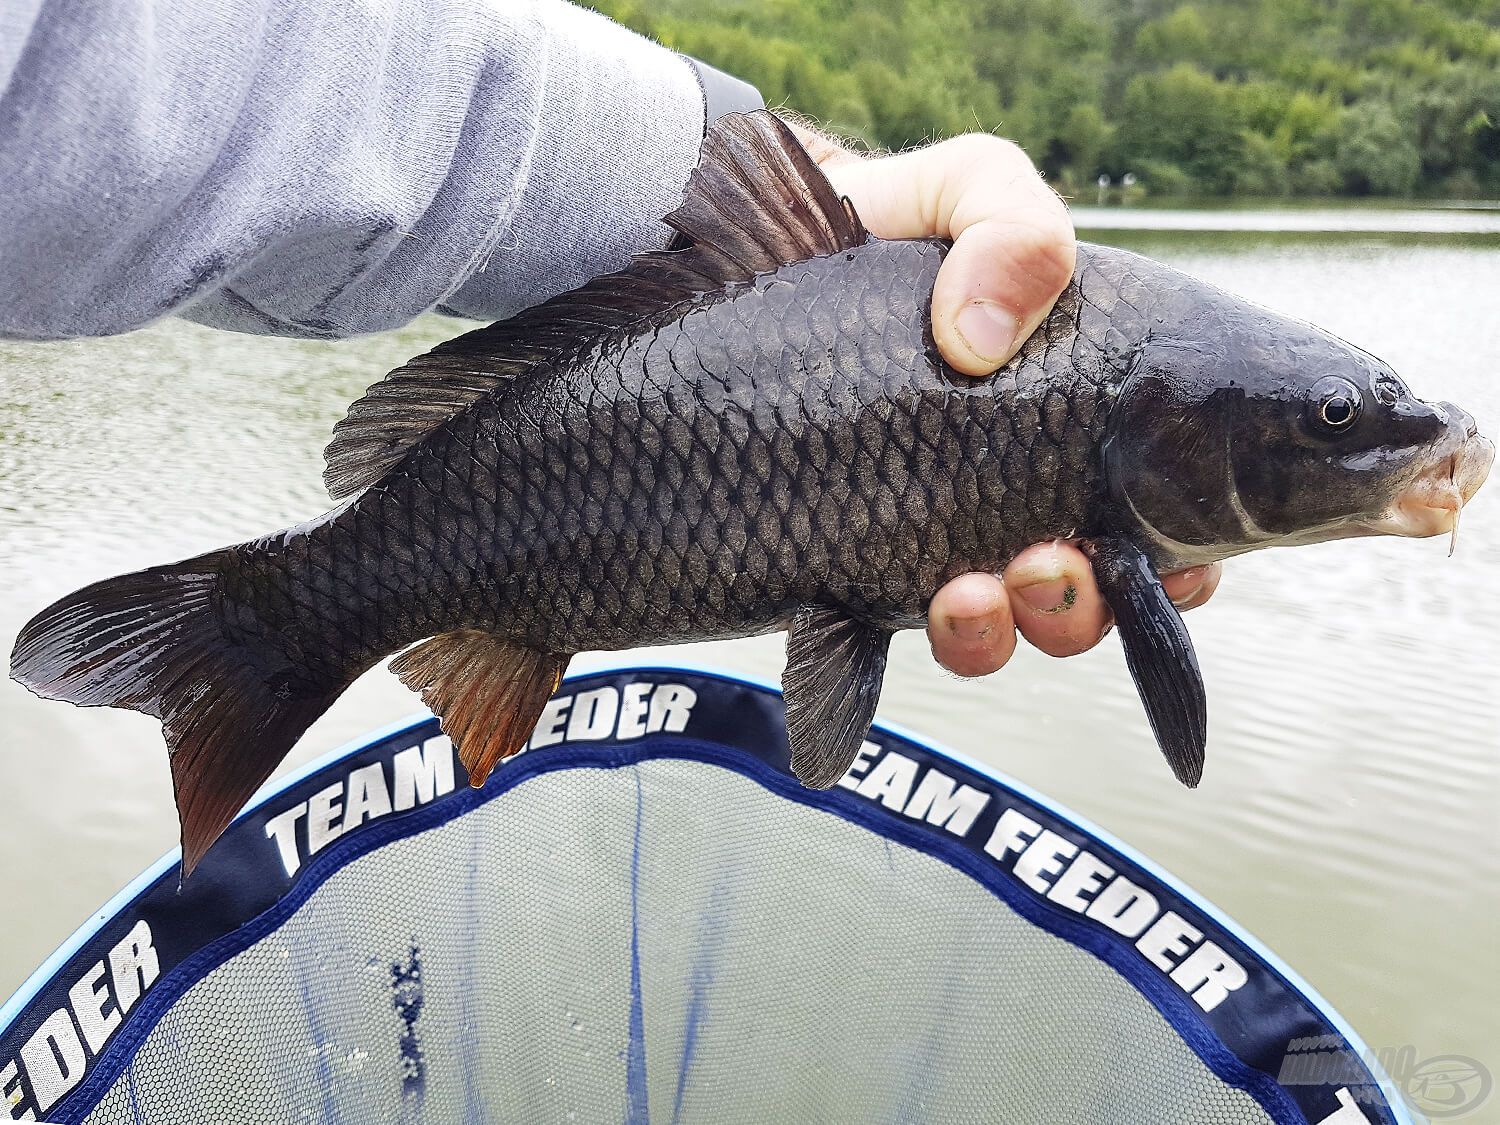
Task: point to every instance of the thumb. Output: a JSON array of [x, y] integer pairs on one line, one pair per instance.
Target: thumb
[[1013, 244], [997, 284]]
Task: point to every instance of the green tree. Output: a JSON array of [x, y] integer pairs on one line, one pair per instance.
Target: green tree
[[1210, 96], [1186, 118], [1375, 152], [1078, 152], [1182, 36]]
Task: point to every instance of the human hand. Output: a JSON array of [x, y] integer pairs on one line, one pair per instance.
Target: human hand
[[1013, 254]]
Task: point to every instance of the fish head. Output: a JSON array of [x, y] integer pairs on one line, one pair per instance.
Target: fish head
[[1237, 428]]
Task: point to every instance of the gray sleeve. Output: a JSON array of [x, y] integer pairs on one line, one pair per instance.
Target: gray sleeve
[[324, 169]]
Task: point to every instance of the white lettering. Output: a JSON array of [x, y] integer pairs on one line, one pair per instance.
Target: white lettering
[[422, 773], [13, 1090], [594, 714], [54, 1059], [133, 965], [283, 829], [633, 713], [419, 774], [367, 797], [671, 706], [1080, 882], [549, 728], [1209, 975], [861, 763], [1013, 831], [323, 811], [890, 781], [936, 800], [1124, 907], [97, 1017], [10, 1084], [1043, 859], [1168, 939]]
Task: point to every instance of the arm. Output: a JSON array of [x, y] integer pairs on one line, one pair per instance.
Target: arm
[[323, 170]]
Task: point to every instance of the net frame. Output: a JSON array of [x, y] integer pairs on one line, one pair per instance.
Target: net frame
[[263, 872]]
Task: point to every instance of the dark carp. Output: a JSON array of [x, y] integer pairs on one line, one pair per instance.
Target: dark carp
[[749, 433]]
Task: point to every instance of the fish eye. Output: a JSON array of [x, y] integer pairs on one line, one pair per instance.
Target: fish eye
[[1335, 404]]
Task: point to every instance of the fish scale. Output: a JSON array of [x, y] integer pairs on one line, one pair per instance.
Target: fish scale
[[753, 478]]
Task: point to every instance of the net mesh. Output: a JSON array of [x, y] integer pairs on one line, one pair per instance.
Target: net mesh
[[668, 941]]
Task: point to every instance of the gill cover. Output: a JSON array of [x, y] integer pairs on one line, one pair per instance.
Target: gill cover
[[1239, 428]]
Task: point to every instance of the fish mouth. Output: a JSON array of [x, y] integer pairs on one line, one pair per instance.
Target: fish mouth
[[1431, 502]]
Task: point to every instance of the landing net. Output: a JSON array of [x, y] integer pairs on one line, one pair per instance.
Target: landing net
[[646, 918]]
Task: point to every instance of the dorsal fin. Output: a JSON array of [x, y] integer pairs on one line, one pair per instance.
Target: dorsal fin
[[755, 202]]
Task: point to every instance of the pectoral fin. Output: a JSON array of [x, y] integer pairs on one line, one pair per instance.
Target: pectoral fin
[[834, 668], [1159, 653], [487, 692]]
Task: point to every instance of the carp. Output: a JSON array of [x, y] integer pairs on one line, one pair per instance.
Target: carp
[[754, 431]]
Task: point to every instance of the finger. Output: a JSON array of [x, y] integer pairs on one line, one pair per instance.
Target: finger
[[1014, 247], [1190, 588], [998, 283], [969, 625], [1055, 600]]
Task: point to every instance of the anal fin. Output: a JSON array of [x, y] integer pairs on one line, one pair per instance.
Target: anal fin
[[834, 669], [487, 692], [1159, 653]]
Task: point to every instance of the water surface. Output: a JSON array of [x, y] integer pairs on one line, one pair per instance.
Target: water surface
[[1468, 219], [1347, 816]]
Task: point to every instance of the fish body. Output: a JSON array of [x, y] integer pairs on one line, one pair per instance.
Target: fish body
[[707, 471], [756, 433]]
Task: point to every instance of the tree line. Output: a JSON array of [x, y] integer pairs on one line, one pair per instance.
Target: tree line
[[1211, 97]]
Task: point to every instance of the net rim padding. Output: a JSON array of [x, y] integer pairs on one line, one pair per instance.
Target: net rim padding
[[37, 998]]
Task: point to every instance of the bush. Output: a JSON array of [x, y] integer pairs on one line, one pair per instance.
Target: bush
[[1262, 171], [1163, 178], [1463, 184], [1317, 177]]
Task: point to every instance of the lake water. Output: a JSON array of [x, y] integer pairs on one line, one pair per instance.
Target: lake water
[[1348, 813], [1455, 220]]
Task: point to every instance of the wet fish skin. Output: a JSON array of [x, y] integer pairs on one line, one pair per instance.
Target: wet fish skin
[[1216, 446], [796, 442]]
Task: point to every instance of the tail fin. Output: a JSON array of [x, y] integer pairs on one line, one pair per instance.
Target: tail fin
[[155, 642]]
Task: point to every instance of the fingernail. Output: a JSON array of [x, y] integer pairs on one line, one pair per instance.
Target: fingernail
[[987, 329], [1051, 595], [971, 628]]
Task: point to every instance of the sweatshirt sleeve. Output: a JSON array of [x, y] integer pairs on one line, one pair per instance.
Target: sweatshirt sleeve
[[324, 169]]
